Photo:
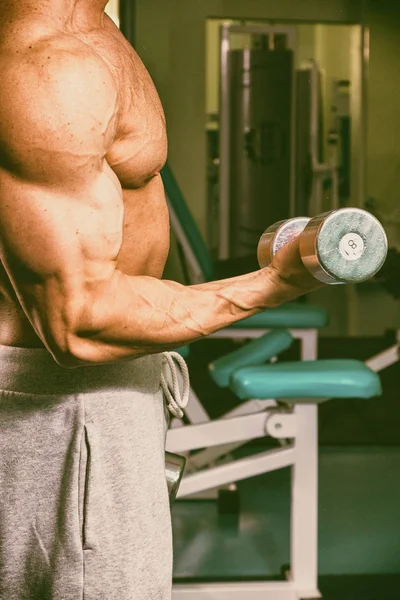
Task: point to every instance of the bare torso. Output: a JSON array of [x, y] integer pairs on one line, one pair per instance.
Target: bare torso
[[137, 155]]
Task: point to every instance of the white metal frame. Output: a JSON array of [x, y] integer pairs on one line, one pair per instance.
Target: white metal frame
[[386, 358], [196, 414], [297, 424], [319, 170]]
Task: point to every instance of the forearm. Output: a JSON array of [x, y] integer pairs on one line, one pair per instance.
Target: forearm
[[135, 316]]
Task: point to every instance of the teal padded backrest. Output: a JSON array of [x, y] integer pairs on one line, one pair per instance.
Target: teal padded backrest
[[188, 224]]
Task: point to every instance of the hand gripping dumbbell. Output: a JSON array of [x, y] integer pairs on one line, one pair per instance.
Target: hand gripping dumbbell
[[174, 469], [348, 245]]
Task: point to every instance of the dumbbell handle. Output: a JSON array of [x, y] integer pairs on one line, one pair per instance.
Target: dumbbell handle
[[174, 469]]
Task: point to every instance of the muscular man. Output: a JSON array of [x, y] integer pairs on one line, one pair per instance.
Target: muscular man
[[85, 316]]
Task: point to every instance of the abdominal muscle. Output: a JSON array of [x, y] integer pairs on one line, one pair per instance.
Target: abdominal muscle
[[144, 251]]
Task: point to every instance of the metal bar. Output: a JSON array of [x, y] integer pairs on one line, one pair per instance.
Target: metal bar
[[195, 411], [222, 431], [365, 51], [244, 468], [224, 147], [292, 205], [254, 28], [384, 359], [309, 346], [210, 455], [196, 272], [244, 333], [277, 590], [304, 513]]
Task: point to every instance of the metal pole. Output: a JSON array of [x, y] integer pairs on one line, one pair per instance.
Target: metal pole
[[127, 16], [292, 39], [365, 47], [224, 146]]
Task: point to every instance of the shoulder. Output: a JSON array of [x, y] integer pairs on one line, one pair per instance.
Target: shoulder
[[54, 61], [54, 75], [55, 89]]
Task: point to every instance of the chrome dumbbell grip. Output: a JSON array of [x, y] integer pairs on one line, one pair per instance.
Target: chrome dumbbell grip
[[174, 470]]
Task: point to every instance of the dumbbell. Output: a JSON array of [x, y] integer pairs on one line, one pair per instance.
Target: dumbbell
[[174, 469], [348, 245]]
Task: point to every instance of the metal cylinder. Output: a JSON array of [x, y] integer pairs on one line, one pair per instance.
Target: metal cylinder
[[348, 245], [174, 469], [260, 149], [276, 236]]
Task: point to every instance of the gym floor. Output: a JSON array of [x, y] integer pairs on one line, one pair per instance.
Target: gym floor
[[359, 499], [359, 528]]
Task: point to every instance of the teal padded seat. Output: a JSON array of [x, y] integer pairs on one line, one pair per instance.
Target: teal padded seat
[[291, 315], [307, 379], [257, 352]]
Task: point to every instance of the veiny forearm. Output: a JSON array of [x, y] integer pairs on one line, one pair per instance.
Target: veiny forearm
[[135, 316]]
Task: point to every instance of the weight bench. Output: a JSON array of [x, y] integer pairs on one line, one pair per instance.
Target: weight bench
[[260, 351], [302, 321], [288, 395]]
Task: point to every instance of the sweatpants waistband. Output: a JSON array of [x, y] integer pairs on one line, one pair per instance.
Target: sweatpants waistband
[[33, 370]]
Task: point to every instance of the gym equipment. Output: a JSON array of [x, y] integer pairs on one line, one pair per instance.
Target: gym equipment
[[260, 95], [256, 131], [174, 469], [348, 245], [260, 351], [314, 169], [271, 135], [287, 395], [303, 320], [311, 172], [250, 419], [264, 348]]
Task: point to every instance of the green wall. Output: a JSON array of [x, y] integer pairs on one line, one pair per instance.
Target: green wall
[[383, 146], [383, 174]]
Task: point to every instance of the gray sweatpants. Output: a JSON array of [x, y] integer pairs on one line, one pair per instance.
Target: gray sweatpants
[[84, 510]]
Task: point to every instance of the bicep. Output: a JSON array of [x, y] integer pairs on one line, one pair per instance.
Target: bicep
[[57, 247]]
